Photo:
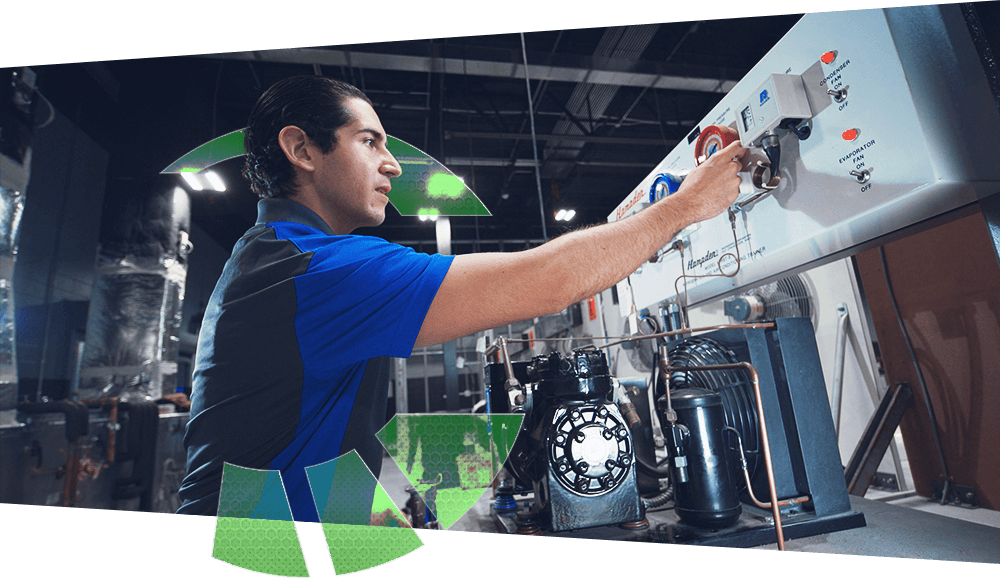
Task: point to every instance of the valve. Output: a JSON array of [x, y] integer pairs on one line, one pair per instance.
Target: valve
[[678, 439]]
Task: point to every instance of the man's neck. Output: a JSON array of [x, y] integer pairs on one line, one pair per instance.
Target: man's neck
[[308, 199]]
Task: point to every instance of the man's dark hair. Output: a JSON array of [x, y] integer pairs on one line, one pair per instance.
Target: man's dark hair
[[313, 103]]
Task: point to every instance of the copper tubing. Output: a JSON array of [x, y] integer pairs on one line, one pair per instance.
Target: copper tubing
[[626, 406], [112, 425], [686, 331], [112, 433], [664, 360], [72, 473], [767, 505], [755, 380], [746, 476], [752, 199], [495, 348]]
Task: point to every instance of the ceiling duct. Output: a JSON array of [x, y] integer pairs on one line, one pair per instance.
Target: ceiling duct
[[589, 101]]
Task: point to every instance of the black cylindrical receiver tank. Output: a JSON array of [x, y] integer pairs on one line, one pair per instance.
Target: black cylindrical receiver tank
[[708, 497]]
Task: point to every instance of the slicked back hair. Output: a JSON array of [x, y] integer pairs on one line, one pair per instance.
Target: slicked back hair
[[315, 104]]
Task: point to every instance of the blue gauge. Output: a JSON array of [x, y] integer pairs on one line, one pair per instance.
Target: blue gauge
[[664, 184]]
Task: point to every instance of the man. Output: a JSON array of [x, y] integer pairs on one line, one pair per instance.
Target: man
[[291, 368]]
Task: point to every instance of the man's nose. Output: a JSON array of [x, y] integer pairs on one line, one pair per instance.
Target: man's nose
[[390, 167]]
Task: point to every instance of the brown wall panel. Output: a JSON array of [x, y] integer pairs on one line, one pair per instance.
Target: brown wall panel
[[947, 286]]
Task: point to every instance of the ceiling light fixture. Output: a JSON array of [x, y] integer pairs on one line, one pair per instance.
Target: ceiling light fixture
[[192, 181], [216, 181], [565, 215], [199, 181]]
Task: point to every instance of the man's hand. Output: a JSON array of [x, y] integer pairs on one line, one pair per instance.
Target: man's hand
[[485, 290], [179, 399], [714, 185]]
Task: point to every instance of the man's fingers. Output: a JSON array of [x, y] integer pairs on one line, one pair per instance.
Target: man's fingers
[[732, 152]]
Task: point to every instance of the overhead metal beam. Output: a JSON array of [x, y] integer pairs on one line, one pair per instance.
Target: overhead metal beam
[[530, 163], [609, 140], [625, 43], [588, 70]]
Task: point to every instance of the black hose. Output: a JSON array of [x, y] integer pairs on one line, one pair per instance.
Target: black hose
[[658, 471], [920, 374], [659, 499]]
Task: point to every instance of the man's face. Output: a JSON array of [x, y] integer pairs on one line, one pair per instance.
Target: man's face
[[353, 179]]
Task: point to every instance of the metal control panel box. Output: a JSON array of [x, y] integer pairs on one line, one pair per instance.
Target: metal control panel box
[[903, 128], [781, 97]]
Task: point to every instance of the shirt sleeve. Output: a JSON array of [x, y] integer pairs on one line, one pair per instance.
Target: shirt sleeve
[[361, 297]]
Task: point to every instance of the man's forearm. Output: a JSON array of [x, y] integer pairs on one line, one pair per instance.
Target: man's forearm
[[584, 262], [591, 260], [487, 290]]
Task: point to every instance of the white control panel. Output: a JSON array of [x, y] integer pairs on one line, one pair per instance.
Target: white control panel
[[903, 127]]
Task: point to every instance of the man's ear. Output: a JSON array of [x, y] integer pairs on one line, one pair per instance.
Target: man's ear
[[297, 147]]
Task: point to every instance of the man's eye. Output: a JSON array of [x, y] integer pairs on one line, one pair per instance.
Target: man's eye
[[370, 142]]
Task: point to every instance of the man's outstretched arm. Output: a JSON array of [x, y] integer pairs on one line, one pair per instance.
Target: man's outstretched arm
[[486, 290]]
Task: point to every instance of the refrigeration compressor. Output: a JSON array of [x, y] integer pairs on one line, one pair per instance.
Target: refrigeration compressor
[[575, 451], [746, 427]]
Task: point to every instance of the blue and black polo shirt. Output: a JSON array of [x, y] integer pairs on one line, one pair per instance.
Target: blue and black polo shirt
[[292, 363]]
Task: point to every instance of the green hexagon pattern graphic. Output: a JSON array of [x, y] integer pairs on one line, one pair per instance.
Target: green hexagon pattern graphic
[[450, 459]]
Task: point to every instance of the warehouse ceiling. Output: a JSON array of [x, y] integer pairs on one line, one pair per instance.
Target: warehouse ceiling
[[608, 104]]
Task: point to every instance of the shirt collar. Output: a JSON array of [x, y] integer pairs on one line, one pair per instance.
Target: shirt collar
[[280, 209]]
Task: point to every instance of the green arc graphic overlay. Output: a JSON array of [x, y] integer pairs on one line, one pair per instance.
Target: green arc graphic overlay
[[254, 528], [426, 186], [363, 528], [215, 151], [450, 459]]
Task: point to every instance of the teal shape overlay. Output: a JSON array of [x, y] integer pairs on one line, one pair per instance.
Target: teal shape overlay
[[363, 528], [253, 494], [343, 490], [450, 459], [426, 186], [254, 528]]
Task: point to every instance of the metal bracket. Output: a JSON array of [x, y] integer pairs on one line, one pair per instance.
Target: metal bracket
[[885, 482], [955, 495], [875, 440]]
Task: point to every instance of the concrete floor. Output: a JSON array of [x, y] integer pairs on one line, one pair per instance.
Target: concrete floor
[[908, 500], [905, 532]]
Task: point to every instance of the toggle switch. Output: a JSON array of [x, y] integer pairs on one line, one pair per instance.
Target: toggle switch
[[863, 175], [838, 95]]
